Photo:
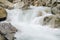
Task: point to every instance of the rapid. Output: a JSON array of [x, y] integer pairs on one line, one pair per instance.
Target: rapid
[[30, 23]]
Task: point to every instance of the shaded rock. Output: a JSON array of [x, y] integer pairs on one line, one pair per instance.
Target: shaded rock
[[2, 37], [26, 6], [8, 30], [2, 5], [47, 20], [52, 20], [37, 3], [49, 3], [55, 9], [10, 1]]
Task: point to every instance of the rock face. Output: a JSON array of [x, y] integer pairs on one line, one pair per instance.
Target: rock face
[[7, 30], [3, 14]]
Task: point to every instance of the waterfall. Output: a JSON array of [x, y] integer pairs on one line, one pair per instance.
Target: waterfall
[[30, 22]]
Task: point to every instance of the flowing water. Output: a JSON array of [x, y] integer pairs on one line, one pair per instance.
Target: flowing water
[[30, 25]]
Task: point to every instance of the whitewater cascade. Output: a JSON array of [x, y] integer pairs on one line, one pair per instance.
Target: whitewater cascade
[[30, 24]]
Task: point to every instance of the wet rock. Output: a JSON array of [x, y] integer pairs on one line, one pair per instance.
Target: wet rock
[[49, 3], [8, 30], [26, 6], [18, 4], [39, 14], [53, 21], [10, 1], [56, 10], [3, 14], [47, 20]]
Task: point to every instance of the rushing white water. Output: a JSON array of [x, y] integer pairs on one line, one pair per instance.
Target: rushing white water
[[30, 25]]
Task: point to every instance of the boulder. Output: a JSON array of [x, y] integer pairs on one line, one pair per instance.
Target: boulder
[[8, 30], [48, 20], [3, 14], [52, 20], [10, 1], [56, 10]]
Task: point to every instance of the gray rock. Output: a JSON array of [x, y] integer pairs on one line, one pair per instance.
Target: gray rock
[[56, 10], [8, 30], [53, 20]]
